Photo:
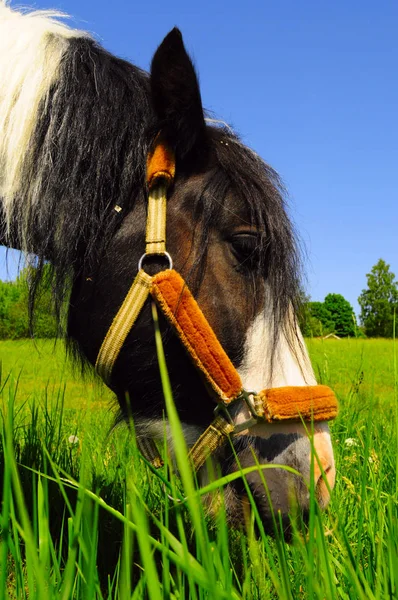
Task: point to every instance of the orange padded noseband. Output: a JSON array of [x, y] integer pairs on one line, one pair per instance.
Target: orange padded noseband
[[317, 402]]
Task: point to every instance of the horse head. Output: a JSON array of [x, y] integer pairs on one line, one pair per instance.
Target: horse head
[[74, 191]]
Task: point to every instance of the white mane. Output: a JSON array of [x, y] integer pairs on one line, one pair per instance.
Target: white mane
[[32, 46]]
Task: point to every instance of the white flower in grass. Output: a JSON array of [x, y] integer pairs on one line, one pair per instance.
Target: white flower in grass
[[351, 442], [73, 440]]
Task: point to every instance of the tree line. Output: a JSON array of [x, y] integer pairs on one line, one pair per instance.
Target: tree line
[[14, 315], [378, 303], [335, 315]]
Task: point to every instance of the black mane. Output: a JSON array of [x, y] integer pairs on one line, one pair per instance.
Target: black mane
[[90, 145]]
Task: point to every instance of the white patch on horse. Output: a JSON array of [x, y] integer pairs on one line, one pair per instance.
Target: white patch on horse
[[32, 46], [291, 364]]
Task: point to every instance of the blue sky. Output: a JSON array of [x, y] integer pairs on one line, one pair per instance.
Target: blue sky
[[313, 88]]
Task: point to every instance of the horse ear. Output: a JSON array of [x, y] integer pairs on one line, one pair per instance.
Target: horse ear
[[176, 97]]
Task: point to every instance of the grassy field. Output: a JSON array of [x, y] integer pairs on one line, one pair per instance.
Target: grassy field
[[97, 523]]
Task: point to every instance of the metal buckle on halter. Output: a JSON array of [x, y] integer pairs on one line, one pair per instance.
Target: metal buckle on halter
[[244, 398], [152, 254]]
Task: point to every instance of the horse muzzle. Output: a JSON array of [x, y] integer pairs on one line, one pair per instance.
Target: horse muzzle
[[285, 460]]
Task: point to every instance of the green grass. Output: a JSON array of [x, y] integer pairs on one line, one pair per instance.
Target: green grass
[[87, 518], [44, 366], [356, 365]]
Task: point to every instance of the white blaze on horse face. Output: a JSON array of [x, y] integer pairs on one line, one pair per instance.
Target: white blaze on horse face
[[291, 367], [257, 375], [291, 364]]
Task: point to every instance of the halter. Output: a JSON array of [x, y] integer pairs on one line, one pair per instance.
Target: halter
[[171, 294]]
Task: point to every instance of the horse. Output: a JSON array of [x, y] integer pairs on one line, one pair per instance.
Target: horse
[[86, 142]]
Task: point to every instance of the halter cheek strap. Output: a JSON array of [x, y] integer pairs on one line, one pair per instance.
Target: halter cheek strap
[[160, 175], [172, 295]]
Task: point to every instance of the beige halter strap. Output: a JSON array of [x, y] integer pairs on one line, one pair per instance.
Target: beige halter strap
[[172, 295]]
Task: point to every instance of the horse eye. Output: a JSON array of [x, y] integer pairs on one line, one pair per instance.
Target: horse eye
[[246, 249]]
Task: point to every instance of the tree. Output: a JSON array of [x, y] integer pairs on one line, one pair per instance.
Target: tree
[[14, 318], [342, 314], [320, 312], [317, 320], [379, 301]]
